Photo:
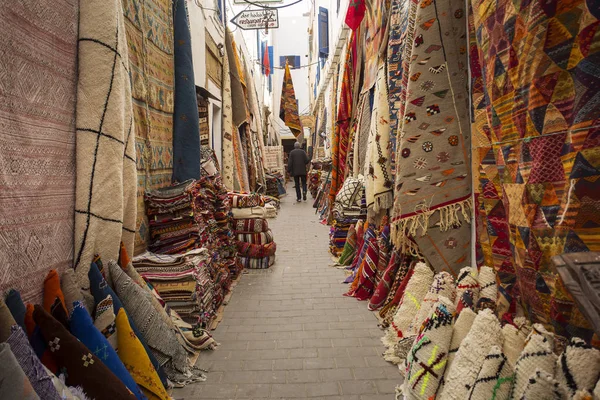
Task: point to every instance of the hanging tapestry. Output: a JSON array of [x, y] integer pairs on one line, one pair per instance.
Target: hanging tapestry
[[149, 29], [227, 165], [355, 13], [374, 40], [535, 146], [379, 185], [186, 142], [105, 203], [256, 132], [398, 34], [37, 140], [433, 157], [339, 149], [289, 106], [361, 136], [204, 127]]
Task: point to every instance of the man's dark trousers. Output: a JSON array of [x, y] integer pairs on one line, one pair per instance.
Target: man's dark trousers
[[297, 180]]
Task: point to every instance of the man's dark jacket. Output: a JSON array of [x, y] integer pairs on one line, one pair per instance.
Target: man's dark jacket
[[297, 162]]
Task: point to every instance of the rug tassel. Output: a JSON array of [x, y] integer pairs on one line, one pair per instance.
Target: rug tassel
[[450, 216]]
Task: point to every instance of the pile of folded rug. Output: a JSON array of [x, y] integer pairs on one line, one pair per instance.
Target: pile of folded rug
[[348, 209], [184, 283], [275, 184], [256, 247], [171, 219], [314, 181]]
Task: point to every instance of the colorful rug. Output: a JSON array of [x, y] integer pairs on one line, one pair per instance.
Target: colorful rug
[[37, 141], [433, 156], [149, 30], [378, 174], [228, 160], [397, 27], [537, 187], [186, 125], [289, 106], [376, 18], [390, 275], [105, 203]]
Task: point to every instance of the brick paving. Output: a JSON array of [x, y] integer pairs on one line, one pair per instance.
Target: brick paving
[[289, 333]]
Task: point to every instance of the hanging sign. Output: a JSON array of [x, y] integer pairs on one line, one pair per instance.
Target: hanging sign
[[257, 19]]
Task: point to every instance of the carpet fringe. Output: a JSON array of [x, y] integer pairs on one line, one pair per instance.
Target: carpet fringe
[[450, 216]]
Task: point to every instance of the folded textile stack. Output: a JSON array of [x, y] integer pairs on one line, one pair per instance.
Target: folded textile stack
[[184, 282], [347, 210], [256, 248], [171, 219], [314, 180], [275, 185]]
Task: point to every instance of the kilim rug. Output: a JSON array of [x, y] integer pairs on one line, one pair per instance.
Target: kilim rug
[[397, 41], [105, 204], [376, 18], [379, 185], [433, 156], [535, 158], [186, 125], [149, 29], [228, 155], [37, 140], [289, 106]]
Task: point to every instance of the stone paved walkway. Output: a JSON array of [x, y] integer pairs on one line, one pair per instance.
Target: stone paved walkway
[[289, 333]]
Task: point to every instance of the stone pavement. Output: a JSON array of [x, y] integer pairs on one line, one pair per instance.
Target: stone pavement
[[289, 333]]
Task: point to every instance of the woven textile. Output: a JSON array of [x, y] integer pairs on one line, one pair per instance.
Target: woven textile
[[246, 200], [433, 157], [488, 289], [469, 359], [363, 129], [160, 338], [467, 281], [398, 288], [228, 161], [149, 30], [427, 358], [367, 271], [514, 342], [70, 289], [82, 327], [376, 18], [442, 286], [541, 385], [289, 106], [578, 367], [495, 379], [7, 321], [256, 238], [536, 170], [401, 326], [536, 355], [17, 308], [397, 26], [341, 131], [83, 368], [462, 326], [186, 126], [105, 321], [136, 360], [251, 225], [378, 173], [105, 203], [257, 263], [31, 365], [390, 275], [37, 140], [256, 250], [15, 383], [349, 250]]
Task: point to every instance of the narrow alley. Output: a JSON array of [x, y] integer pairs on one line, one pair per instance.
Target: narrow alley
[[288, 332]]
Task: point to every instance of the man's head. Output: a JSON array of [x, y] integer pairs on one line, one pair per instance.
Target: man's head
[[297, 145]]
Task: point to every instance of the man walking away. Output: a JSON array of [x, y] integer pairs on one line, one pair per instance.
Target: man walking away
[[297, 162]]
